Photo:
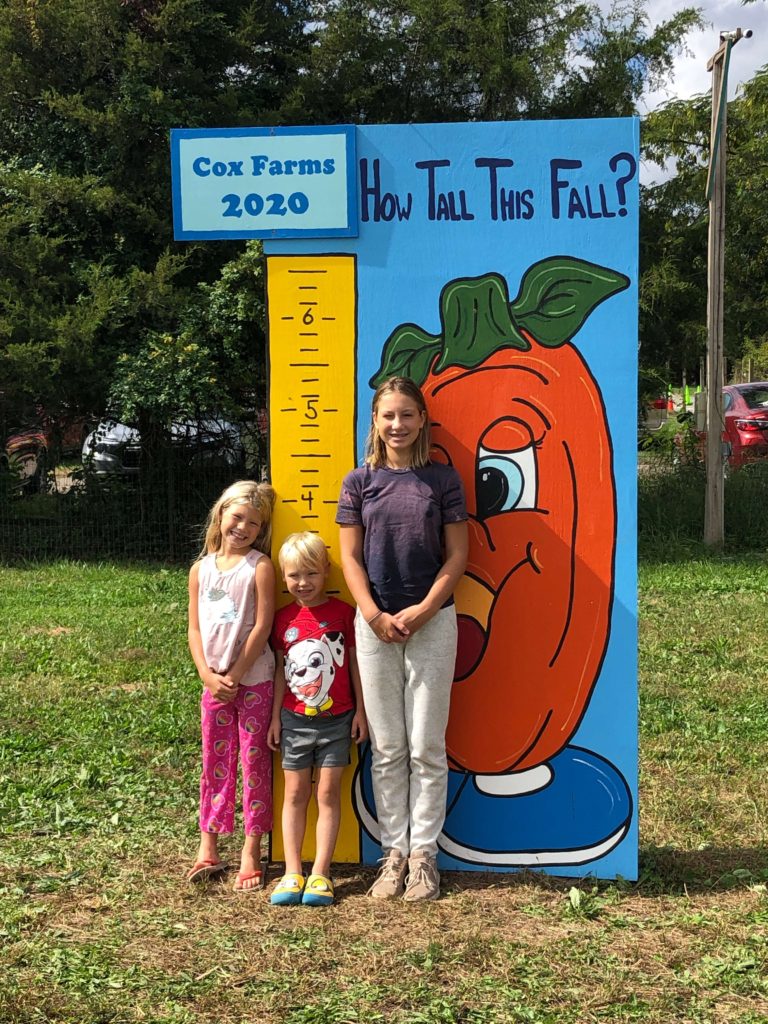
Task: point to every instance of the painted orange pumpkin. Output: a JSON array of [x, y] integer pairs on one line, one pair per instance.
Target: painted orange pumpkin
[[516, 410]]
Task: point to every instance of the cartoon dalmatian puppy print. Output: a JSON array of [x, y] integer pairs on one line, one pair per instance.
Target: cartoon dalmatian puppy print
[[310, 669]]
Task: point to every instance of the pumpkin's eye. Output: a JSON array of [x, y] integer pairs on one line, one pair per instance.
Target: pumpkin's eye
[[505, 481]]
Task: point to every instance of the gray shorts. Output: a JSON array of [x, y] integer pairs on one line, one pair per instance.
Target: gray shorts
[[321, 741]]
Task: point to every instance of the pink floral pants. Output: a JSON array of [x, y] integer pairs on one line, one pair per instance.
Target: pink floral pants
[[240, 725]]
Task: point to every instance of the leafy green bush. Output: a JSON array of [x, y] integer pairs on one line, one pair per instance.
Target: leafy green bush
[[676, 438]]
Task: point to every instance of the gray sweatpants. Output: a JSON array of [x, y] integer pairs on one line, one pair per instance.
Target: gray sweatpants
[[407, 693]]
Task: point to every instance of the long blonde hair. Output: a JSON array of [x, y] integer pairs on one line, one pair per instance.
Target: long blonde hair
[[260, 497], [375, 449]]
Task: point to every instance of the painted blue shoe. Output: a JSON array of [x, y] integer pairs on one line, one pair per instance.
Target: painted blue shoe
[[365, 807], [572, 810]]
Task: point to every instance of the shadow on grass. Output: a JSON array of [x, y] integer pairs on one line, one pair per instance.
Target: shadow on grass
[[668, 871], [664, 871], [683, 552]]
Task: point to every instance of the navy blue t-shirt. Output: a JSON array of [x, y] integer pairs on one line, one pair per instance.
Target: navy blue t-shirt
[[402, 512]]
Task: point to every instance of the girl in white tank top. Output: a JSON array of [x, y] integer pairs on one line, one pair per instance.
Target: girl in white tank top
[[231, 606]]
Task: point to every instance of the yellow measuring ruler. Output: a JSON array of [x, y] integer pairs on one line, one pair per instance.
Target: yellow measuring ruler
[[312, 313]]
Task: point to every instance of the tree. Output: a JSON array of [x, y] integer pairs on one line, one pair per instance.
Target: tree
[[89, 271], [88, 92], [618, 58], [450, 60], [674, 253]]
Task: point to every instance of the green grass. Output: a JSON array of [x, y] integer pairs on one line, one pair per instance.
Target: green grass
[[98, 765]]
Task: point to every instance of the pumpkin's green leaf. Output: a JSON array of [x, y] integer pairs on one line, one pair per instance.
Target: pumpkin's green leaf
[[408, 352], [475, 316], [558, 294]]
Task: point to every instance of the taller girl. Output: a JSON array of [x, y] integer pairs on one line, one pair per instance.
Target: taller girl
[[403, 550], [231, 607]]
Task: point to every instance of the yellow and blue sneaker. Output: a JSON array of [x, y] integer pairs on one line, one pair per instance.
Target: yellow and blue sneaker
[[288, 891], [318, 892]]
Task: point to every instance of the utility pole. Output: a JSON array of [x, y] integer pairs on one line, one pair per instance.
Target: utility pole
[[714, 508]]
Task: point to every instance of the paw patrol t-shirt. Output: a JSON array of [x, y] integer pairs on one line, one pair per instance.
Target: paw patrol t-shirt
[[315, 643]]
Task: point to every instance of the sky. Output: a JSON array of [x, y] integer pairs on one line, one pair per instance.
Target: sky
[[691, 75]]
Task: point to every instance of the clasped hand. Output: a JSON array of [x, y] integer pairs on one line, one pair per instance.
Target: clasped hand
[[397, 628], [221, 686]]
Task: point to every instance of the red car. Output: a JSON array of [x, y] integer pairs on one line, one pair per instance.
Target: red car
[[25, 457], [745, 414], [745, 428]]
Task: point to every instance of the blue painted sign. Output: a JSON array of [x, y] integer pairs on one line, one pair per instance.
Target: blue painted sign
[[496, 265], [263, 182]]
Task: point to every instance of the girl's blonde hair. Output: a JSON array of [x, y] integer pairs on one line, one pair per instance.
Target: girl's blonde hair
[[260, 497], [305, 549], [375, 449]]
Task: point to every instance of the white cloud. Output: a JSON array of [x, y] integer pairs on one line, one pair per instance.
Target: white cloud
[[690, 72], [690, 76]]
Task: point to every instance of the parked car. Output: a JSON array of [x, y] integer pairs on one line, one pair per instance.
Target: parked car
[[745, 413], [745, 423], [25, 458], [33, 441], [114, 447], [745, 426]]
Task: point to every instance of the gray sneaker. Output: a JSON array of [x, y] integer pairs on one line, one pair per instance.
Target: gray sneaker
[[423, 877], [390, 880]]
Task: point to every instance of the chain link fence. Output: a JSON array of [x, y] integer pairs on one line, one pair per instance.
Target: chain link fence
[[123, 499], [671, 482], [154, 508]]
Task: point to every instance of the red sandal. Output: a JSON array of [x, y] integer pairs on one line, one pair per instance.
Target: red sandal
[[205, 869], [246, 876]]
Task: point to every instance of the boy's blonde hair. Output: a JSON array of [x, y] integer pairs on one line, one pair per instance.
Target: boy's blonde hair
[[260, 497], [375, 449], [306, 549]]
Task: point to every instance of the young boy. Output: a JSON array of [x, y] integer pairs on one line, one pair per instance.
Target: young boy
[[317, 711]]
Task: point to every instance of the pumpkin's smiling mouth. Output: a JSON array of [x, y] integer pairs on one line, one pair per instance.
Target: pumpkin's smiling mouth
[[474, 601], [474, 604], [470, 648]]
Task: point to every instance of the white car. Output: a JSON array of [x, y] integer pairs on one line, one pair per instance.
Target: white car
[[114, 447]]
